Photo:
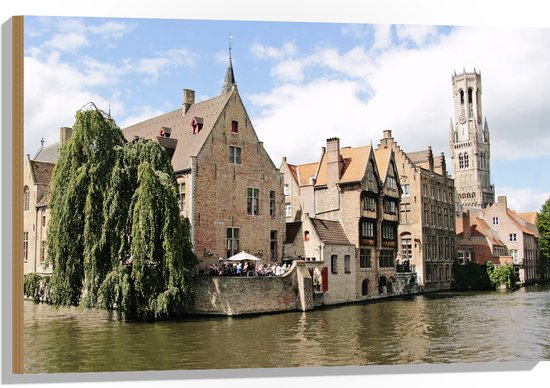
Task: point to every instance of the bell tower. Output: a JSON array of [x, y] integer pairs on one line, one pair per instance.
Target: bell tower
[[470, 143]]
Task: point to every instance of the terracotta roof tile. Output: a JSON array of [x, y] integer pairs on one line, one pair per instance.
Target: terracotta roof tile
[[518, 223], [382, 156], [355, 165], [305, 172], [330, 232], [530, 217]]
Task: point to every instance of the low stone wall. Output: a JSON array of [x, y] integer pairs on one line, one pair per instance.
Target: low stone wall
[[235, 295]]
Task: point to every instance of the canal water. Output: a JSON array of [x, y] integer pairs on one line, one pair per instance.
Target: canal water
[[431, 328]]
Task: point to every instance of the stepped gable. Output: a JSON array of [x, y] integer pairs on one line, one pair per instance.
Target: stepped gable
[[330, 232], [189, 143]]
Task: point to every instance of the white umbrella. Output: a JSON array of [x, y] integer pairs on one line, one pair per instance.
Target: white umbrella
[[243, 256]]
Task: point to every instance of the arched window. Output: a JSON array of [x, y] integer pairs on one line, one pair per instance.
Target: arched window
[[470, 96], [461, 97], [365, 287], [26, 198], [460, 161], [466, 160]]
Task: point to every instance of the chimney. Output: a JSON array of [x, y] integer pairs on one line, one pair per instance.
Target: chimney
[[334, 161], [466, 224], [188, 99], [387, 134], [502, 201], [64, 134]]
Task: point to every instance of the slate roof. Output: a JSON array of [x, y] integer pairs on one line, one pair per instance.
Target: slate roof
[[292, 229], [49, 153], [330, 232], [189, 144], [355, 164]]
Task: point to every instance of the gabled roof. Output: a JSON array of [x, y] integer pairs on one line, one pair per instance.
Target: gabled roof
[[530, 217], [355, 164], [189, 144], [49, 153], [306, 171], [383, 156], [292, 229], [41, 172], [419, 156], [330, 232], [485, 230], [518, 222]]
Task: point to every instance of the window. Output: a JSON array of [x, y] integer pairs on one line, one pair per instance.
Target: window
[[460, 161], [386, 258], [234, 126], [466, 160], [252, 199], [181, 196], [445, 218], [513, 237], [432, 190], [43, 218], [286, 189], [364, 257], [426, 214], [406, 248], [392, 183], [445, 196], [232, 242], [273, 245], [514, 254], [428, 273], [405, 210], [433, 215], [389, 207], [439, 194], [25, 246], [347, 264], [369, 203], [26, 198], [495, 221], [306, 235], [272, 203], [288, 210], [334, 264], [367, 229], [388, 232], [406, 190], [235, 154], [425, 190]]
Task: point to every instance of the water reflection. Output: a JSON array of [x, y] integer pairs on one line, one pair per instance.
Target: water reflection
[[431, 328]]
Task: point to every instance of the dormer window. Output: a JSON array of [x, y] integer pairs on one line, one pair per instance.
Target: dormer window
[[165, 132], [234, 126], [196, 124]]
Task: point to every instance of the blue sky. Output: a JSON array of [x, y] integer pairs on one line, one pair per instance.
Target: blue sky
[[303, 83]]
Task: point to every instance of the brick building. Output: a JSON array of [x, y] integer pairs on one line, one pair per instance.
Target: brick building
[[360, 190], [426, 223], [228, 187], [511, 229]]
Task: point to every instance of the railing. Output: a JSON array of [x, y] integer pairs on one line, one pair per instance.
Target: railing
[[405, 267]]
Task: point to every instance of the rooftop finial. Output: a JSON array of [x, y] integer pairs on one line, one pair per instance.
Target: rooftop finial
[[229, 80]]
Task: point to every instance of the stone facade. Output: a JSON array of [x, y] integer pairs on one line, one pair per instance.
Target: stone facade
[[470, 144], [426, 224]]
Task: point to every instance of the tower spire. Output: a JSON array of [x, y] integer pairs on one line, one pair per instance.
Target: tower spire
[[229, 80]]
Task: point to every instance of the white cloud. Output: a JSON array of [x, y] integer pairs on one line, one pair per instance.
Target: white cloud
[[523, 200], [140, 114], [268, 52], [163, 61], [357, 31], [409, 90], [419, 35], [67, 42], [382, 36]]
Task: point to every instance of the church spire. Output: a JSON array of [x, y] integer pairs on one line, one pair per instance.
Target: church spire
[[229, 80]]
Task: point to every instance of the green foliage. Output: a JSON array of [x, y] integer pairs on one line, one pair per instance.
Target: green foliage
[[502, 275], [115, 236], [37, 287], [470, 276], [543, 226]]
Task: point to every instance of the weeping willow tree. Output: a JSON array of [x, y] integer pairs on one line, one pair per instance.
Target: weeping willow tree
[[115, 238]]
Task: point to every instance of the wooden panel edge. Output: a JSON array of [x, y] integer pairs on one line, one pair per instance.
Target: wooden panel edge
[[17, 194]]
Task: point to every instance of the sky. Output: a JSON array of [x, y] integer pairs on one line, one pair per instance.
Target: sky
[[302, 83]]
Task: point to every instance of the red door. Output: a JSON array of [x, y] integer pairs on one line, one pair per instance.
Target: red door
[[324, 279]]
